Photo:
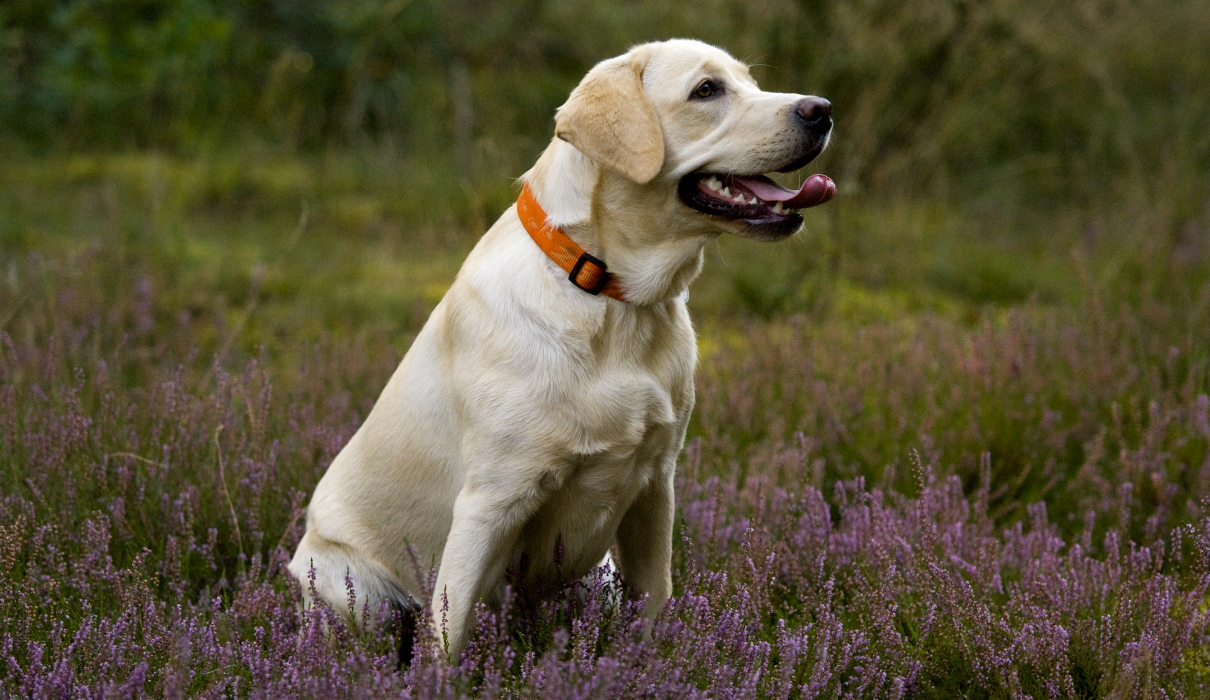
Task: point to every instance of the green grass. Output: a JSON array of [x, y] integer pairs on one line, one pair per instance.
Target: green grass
[[360, 238]]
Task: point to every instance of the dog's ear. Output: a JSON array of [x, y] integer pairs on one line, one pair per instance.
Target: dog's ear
[[609, 118]]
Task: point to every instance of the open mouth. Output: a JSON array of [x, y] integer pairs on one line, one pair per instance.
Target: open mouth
[[770, 210]]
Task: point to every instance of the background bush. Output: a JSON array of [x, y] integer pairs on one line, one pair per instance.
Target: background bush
[[1020, 98]]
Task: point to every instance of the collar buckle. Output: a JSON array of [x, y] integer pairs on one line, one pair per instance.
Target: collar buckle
[[597, 278]]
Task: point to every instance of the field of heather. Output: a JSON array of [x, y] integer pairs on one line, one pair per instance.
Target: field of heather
[[951, 441], [889, 491]]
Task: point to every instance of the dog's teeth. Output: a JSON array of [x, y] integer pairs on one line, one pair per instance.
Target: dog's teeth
[[714, 184], [726, 192], [778, 208]]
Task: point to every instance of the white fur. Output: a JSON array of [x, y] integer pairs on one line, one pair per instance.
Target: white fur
[[530, 416]]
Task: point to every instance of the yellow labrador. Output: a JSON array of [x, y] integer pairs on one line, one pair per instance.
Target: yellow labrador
[[535, 424]]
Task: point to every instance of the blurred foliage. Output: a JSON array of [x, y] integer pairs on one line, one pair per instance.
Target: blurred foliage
[[1011, 100]]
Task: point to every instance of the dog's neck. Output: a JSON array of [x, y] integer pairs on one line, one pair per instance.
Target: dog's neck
[[629, 226], [563, 180]]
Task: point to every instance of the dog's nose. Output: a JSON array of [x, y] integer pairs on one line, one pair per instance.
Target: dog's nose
[[816, 113]]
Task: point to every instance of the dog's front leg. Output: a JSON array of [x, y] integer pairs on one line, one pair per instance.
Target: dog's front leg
[[645, 543], [485, 527]]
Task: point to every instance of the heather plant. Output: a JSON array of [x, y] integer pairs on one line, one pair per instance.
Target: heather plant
[[1086, 409], [849, 525]]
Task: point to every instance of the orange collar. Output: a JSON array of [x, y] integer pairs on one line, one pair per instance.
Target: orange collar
[[586, 272]]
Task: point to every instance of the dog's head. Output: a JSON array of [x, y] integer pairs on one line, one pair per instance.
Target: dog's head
[[685, 120]]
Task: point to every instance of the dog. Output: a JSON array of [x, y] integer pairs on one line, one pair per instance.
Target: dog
[[534, 425]]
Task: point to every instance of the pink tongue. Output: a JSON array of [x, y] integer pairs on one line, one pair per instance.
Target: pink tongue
[[816, 190]]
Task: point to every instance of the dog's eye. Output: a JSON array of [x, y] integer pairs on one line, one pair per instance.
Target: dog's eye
[[708, 88]]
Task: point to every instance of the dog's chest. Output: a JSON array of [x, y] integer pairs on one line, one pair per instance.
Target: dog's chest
[[587, 389], [584, 503], [624, 432]]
